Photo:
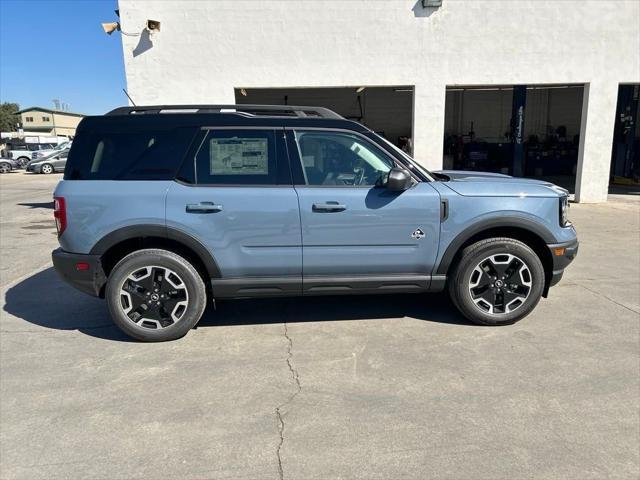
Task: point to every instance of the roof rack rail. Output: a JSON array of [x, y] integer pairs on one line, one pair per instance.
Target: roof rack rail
[[251, 110]]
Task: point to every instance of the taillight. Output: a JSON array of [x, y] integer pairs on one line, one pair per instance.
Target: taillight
[[60, 214]]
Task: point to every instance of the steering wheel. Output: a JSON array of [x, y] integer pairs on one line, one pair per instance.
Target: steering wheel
[[359, 175]]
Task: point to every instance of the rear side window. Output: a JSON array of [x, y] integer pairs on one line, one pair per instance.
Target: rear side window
[[237, 157], [133, 155]]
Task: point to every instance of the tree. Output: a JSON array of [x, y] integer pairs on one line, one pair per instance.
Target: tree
[[8, 118]]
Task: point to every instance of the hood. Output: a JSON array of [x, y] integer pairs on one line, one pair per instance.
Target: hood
[[486, 184]]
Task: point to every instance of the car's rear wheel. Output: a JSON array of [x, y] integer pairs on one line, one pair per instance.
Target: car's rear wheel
[[5, 167], [497, 281], [22, 161], [155, 295], [46, 168]]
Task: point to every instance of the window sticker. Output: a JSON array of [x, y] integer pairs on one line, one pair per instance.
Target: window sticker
[[238, 156]]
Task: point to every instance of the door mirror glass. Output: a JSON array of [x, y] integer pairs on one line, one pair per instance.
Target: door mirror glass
[[399, 180]]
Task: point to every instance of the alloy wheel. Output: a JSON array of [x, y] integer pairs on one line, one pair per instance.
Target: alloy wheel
[[154, 297], [500, 284], [4, 168]]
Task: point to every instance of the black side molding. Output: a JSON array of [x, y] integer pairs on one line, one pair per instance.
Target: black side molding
[[252, 287]]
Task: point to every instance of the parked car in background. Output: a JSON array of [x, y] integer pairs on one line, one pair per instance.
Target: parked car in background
[[45, 153], [159, 212], [7, 165], [54, 162], [23, 153]]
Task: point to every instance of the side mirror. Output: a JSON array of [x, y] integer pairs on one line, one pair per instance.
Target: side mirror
[[399, 180]]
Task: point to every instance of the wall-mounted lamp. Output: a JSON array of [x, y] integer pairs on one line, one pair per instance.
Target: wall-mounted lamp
[[153, 26], [431, 3], [360, 89], [243, 92], [111, 27]]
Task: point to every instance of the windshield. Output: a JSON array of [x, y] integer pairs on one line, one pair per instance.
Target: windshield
[[62, 146], [415, 165]]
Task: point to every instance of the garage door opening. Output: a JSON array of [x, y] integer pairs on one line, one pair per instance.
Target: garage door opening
[[525, 131], [625, 155], [387, 111]]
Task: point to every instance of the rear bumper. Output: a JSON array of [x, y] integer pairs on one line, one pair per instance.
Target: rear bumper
[[562, 254], [90, 281]]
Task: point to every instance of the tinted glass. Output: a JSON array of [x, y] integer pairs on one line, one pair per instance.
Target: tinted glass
[[334, 158], [237, 157], [135, 155]]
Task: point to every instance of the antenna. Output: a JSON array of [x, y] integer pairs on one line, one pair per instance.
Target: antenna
[[129, 97]]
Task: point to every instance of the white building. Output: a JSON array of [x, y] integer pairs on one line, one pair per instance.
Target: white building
[[447, 70]]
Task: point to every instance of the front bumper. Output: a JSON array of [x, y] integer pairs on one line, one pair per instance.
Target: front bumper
[[562, 255], [90, 281]]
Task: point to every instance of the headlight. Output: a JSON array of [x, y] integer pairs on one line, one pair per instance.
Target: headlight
[[564, 211]]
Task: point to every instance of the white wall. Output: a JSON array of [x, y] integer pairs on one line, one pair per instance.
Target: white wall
[[205, 49]]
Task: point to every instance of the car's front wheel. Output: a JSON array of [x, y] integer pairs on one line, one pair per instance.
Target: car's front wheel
[[5, 167], [155, 295], [497, 281], [46, 168], [22, 161]]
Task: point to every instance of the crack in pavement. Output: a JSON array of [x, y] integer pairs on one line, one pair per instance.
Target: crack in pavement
[[602, 295], [296, 379]]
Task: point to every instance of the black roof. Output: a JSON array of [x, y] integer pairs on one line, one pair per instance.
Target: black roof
[[239, 109], [163, 116]]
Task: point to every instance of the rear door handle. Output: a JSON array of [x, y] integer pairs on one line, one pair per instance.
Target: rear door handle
[[203, 207], [328, 207]]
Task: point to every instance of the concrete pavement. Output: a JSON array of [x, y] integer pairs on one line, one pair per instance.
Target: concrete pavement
[[370, 387]]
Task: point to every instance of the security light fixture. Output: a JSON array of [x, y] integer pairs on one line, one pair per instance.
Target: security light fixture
[[431, 3], [110, 27], [243, 92], [153, 26], [360, 89]]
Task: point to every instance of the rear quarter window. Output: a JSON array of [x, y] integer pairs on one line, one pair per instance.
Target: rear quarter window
[[102, 154]]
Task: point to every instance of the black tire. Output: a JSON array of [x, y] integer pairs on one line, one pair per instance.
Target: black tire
[[156, 263], [476, 275], [5, 167], [48, 167], [22, 161]]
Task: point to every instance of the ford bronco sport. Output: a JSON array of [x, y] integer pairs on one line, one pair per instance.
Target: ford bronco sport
[[162, 207]]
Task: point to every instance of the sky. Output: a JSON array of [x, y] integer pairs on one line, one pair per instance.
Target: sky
[[57, 49]]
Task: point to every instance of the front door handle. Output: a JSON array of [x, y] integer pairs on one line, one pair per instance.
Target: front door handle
[[328, 207], [203, 207]]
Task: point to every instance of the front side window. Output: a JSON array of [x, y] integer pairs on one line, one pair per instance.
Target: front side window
[[339, 159], [237, 157]]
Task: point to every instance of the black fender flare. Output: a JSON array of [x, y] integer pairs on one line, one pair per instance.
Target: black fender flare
[[488, 224], [161, 231]]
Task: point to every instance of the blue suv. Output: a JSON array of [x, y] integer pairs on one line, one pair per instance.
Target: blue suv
[[164, 207]]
